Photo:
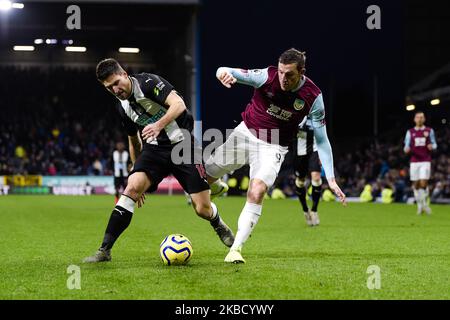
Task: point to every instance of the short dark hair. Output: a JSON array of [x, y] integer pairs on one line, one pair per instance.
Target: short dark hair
[[293, 56], [107, 67]]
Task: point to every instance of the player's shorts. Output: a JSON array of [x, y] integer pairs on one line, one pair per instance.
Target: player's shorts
[[307, 163], [242, 148], [157, 163], [120, 182], [420, 171]]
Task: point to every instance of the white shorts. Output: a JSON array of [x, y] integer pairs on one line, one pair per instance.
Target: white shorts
[[420, 171], [242, 148]]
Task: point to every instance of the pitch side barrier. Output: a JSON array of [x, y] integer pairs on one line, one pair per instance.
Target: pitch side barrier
[[72, 185]]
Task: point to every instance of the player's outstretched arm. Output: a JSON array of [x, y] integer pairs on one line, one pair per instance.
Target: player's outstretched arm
[[326, 158], [135, 144], [317, 116], [407, 147], [433, 145], [229, 76]]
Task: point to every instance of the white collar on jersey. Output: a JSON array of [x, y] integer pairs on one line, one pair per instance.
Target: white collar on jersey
[[132, 86], [300, 84], [421, 128]]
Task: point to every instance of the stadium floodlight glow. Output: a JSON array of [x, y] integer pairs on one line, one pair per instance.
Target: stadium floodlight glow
[[51, 41], [410, 107], [5, 5], [23, 48], [435, 102], [128, 50], [76, 49], [38, 41], [18, 5]]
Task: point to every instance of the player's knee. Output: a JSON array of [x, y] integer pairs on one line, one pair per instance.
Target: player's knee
[[256, 192], [317, 182], [300, 182], [133, 191], [203, 209]]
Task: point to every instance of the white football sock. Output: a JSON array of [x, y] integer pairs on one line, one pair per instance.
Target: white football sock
[[416, 195], [247, 221], [215, 211], [126, 203], [422, 196]]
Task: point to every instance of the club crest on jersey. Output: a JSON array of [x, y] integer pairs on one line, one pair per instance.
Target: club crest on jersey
[[426, 134], [299, 104]]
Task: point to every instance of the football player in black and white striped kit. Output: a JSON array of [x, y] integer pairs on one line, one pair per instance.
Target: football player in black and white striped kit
[[120, 159], [156, 120], [307, 161]]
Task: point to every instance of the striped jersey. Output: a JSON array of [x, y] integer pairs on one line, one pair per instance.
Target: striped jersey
[[306, 143], [146, 105], [120, 163]]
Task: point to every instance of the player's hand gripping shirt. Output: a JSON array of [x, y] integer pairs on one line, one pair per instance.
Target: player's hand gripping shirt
[[146, 105]]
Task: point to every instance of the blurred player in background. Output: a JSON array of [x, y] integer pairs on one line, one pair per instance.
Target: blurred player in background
[[120, 158], [420, 141], [307, 160], [154, 117], [282, 98]]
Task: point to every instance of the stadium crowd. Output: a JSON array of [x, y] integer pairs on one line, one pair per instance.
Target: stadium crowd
[[69, 131], [62, 132]]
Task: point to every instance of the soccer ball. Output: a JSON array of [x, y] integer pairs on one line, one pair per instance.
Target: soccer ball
[[175, 249]]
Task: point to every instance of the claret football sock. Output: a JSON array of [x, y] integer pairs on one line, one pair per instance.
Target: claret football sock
[[119, 220]]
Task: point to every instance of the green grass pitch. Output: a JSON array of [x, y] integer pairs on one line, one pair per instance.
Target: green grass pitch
[[42, 235]]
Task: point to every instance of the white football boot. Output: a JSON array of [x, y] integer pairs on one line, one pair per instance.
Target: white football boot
[[308, 218], [218, 189], [315, 218], [234, 256]]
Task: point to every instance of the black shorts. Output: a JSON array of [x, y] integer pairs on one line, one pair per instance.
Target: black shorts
[[120, 182], [307, 163], [156, 162]]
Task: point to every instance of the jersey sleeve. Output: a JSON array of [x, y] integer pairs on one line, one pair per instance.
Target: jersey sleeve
[[433, 139], [407, 140], [156, 88], [324, 150], [254, 77], [317, 113]]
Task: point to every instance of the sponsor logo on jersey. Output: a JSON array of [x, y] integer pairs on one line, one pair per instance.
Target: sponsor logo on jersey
[[156, 91], [299, 104], [279, 113], [160, 85]]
